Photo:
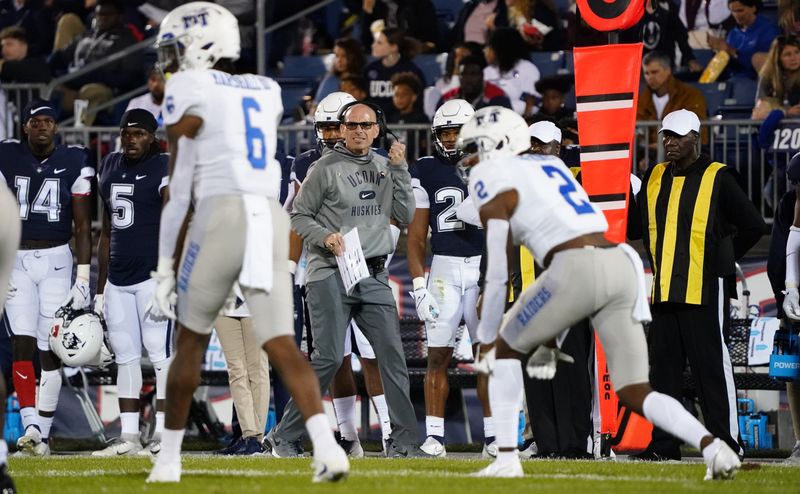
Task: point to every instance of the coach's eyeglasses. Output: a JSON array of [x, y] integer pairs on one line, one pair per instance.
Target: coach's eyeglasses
[[355, 125]]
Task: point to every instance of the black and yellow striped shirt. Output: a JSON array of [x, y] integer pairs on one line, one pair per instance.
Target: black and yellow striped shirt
[[695, 224]]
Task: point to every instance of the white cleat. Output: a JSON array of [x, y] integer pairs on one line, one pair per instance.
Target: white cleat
[[489, 450], [152, 448], [120, 447], [508, 469], [529, 452], [330, 465], [434, 448], [31, 444], [165, 472], [794, 458], [724, 463]]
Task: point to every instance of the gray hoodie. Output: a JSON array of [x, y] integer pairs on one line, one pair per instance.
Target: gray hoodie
[[343, 191]]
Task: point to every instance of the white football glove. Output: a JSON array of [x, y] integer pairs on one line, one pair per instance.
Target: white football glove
[[165, 297], [542, 364], [12, 290], [99, 307], [79, 295], [791, 303], [427, 308]]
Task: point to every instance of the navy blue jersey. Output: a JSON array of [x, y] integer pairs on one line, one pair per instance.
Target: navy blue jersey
[[302, 163], [132, 197], [437, 179], [286, 162], [380, 76], [44, 189]]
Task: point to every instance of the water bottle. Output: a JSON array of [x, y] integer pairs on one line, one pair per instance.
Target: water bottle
[[13, 427], [521, 428]]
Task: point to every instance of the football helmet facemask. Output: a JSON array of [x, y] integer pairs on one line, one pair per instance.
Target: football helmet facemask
[[493, 132], [453, 114], [327, 115]]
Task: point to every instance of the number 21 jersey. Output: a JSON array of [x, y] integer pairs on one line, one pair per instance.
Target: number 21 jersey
[[235, 147], [552, 208]]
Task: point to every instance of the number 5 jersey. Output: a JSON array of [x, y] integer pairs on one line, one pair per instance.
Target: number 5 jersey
[[44, 189], [235, 146]]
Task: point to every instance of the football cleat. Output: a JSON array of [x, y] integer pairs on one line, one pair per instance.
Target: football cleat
[[794, 458], [528, 451], [152, 448], [279, 448], [433, 447], [330, 465], [31, 443], [723, 464], [352, 448], [165, 472], [120, 447], [6, 482], [489, 450], [497, 469]]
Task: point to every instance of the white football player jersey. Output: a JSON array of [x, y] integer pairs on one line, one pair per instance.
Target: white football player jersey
[[236, 143], [553, 208]]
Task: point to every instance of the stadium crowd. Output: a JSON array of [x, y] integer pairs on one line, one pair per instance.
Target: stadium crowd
[[410, 66]]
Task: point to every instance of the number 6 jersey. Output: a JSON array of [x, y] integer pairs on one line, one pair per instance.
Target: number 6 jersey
[[552, 208], [236, 143], [44, 189]]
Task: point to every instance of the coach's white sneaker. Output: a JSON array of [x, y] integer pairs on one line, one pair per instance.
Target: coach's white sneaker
[[721, 461], [120, 447], [506, 469], [164, 471], [433, 447], [330, 464], [152, 448]]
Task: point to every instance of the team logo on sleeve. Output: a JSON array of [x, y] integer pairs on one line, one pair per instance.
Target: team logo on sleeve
[[170, 104]]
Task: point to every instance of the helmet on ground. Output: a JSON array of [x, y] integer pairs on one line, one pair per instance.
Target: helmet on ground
[[196, 35], [327, 114], [453, 114], [76, 336]]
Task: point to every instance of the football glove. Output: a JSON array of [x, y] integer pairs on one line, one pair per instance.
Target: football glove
[[79, 296], [427, 308], [791, 304], [164, 297], [542, 364]]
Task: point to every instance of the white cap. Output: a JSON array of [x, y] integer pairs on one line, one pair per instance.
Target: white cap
[[681, 122], [546, 131]]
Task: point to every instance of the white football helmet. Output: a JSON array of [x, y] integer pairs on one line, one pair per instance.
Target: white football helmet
[[76, 336], [453, 114], [196, 35], [327, 113], [493, 132]]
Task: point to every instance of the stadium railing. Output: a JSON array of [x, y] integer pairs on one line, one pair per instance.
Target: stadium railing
[[13, 98]]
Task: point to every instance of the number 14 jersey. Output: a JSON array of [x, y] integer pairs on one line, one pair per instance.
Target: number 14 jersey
[[236, 143], [552, 207]]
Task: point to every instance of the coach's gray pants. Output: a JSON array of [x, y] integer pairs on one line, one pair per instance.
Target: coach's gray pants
[[372, 306]]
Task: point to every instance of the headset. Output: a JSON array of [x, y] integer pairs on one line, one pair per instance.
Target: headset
[[380, 116]]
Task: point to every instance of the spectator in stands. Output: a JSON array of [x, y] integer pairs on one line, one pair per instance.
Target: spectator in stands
[[779, 78], [355, 85], [538, 21], [661, 29], [153, 99], [416, 18], [108, 36], [554, 90], [394, 52], [35, 18], [664, 94], [349, 58], [449, 79], [789, 16], [407, 91], [17, 65], [474, 19], [703, 18], [509, 69], [473, 88], [749, 42]]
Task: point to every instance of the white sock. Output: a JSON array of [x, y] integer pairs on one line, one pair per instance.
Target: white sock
[[171, 441], [162, 371], [505, 398], [345, 409], [45, 423], [28, 416], [382, 409], [508, 456], [159, 424], [434, 426], [3, 452], [666, 413], [319, 431], [49, 390], [130, 425], [488, 427]]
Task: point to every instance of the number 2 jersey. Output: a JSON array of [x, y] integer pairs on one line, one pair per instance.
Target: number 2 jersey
[[552, 207], [132, 196], [44, 189], [236, 143]]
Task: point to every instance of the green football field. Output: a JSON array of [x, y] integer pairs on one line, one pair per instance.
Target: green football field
[[214, 474]]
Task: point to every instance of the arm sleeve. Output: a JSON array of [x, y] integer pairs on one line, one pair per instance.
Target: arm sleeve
[[180, 196], [83, 184], [792, 267], [740, 212], [403, 206], [306, 206], [495, 284]]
